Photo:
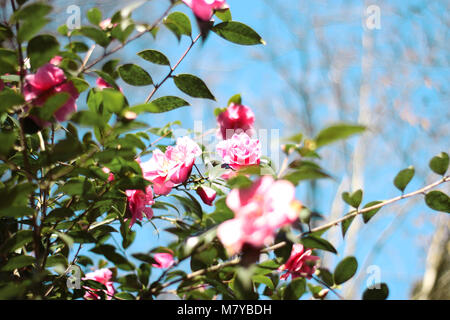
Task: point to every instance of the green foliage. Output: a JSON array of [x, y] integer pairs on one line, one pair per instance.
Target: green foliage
[[439, 163], [353, 199], [380, 291], [337, 132], [135, 75], [437, 200], [179, 24], [41, 49], [314, 242], [154, 56]]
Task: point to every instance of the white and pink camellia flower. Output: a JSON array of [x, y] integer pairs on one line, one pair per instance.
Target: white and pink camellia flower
[[139, 203], [165, 170], [102, 84], [238, 152], [259, 210], [164, 260], [104, 277], [56, 60], [47, 81], [235, 119], [106, 24], [207, 194], [204, 9], [301, 263]]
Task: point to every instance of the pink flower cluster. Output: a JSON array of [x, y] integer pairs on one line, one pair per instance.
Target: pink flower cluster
[[301, 263], [235, 119], [172, 167], [259, 210], [240, 151], [104, 277], [47, 81], [204, 9]]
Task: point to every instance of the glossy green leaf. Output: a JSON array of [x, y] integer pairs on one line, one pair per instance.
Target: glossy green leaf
[[41, 49], [154, 56], [317, 243], [135, 75], [295, 289], [18, 262], [179, 24], [369, 214], [238, 32], [193, 86], [94, 16], [345, 270], [95, 34], [439, 163], [402, 179], [437, 200], [337, 132], [353, 199]]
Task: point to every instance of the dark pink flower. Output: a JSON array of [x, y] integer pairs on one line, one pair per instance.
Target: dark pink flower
[[110, 174], [301, 263], [104, 277], [235, 119], [206, 194], [204, 9], [164, 260], [47, 81], [138, 203], [156, 170], [102, 84]]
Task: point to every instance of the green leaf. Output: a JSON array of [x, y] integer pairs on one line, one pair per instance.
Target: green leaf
[[438, 201], [32, 11], [369, 214], [326, 276], [41, 49], [88, 118], [113, 100], [224, 15], [179, 24], [59, 214], [154, 56], [8, 61], [236, 99], [19, 239], [94, 16], [345, 270], [337, 132], [124, 296], [353, 199], [439, 163], [376, 294], [193, 86], [10, 98], [16, 211], [99, 36], [306, 173], [402, 179], [264, 280], [18, 262], [135, 75], [7, 142], [238, 32], [30, 27], [295, 289], [92, 284], [163, 104], [317, 243], [346, 224]]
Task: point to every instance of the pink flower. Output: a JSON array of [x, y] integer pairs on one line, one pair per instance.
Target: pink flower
[[102, 84], [56, 60], [164, 260], [204, 9], [48, 81], [138, 203], [182, 158], [300, 264], [106, 24], [239, 151], [235, 119], [174, 166], [104, 277], [259, 210], [206, 194], [156, 170]]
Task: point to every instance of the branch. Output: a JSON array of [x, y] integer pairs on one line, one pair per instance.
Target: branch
[[85, 67], [172, 69]]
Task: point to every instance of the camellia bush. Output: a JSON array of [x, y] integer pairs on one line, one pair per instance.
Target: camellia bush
[[74, 171]]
